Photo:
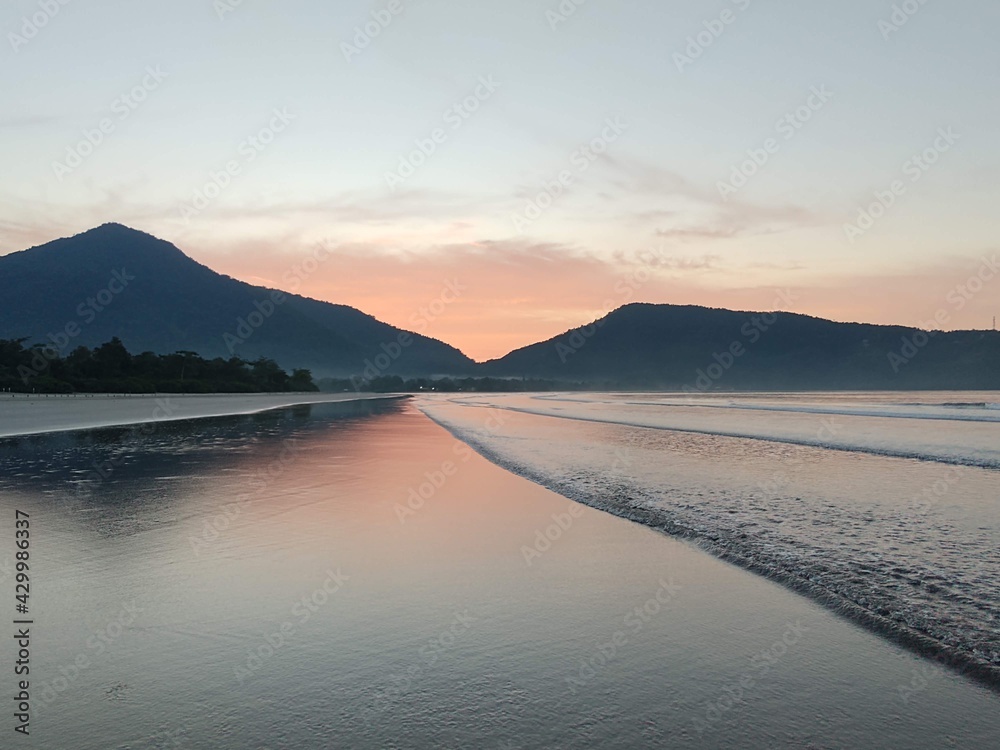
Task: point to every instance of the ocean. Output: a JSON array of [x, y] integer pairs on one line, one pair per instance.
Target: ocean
[[355, 575]]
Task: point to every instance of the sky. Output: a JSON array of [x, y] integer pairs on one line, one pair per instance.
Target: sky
[[505, 171]]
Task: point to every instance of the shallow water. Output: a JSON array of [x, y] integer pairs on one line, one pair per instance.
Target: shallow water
[[946, 427], [911, 542], [22, 414], [352, 576]]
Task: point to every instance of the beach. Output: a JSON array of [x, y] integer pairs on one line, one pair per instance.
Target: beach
[[880, 506], [22, 414], [355, 571]]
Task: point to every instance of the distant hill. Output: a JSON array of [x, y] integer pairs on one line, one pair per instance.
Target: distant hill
[[670, 346], [115, 281]]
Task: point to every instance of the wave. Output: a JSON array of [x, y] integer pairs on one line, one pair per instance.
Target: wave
[[988, 458], [923, 579], [961, 412]]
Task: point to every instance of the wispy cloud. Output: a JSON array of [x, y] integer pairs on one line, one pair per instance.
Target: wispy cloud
[[26, 121], [698, 233]]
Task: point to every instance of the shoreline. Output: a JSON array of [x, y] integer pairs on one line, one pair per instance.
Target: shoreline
[[955, 660], [613, 630], [39, 414]]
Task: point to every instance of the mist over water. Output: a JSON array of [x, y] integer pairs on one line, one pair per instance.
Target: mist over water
[[351, 575]]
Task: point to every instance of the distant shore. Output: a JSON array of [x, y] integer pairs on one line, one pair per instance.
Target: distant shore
[[22, 414]]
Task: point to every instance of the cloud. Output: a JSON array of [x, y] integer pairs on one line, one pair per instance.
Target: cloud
[[520, 291], [516, 290], [695, 213], [658, 258], [26, 121], [697, 233]]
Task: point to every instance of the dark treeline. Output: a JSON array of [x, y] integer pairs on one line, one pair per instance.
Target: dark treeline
[[111, 369], [396, 384]]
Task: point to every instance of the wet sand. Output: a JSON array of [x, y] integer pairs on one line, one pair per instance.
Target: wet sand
[[478, 609], [904, 547], [35, 414]]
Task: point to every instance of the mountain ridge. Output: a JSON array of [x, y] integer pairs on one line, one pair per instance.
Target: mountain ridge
[[709, 348], [114, 281]]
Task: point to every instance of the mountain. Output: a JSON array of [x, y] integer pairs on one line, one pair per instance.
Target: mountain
[[116, 281], [700, 348]]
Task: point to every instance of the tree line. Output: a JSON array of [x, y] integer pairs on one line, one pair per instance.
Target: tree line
[[110, 368], [397, 384]]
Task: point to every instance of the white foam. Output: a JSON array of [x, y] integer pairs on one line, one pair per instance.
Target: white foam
[[928, 426], [916, 544]]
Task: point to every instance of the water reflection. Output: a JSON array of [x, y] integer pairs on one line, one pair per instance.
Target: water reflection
[[141, 470], [250, 583]]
